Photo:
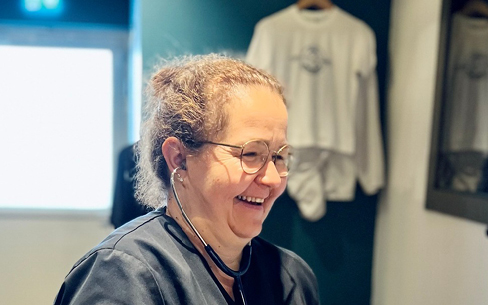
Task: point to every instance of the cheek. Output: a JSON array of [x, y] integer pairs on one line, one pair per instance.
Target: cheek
[[226, 185], [224, 164], [279, 190], [229, 175]]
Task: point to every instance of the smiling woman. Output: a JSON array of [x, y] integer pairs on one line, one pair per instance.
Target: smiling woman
[[215, 136]]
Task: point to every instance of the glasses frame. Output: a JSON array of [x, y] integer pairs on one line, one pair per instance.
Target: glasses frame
[[273, 153]]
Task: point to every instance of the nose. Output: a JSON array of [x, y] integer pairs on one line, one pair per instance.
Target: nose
[[269, 175]]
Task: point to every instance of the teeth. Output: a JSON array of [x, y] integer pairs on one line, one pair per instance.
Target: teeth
[[251, 199]]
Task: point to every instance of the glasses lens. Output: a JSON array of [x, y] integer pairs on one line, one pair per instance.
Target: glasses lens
[[254, 155], [283, 159]]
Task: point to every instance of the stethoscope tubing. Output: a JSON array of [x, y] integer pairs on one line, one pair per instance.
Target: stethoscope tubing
[[213, 255]]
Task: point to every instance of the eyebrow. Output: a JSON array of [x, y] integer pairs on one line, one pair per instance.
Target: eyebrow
[[268, 143], [240, 145]]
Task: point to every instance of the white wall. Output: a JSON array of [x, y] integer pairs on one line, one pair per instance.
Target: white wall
[[36, 253], [421, 257]]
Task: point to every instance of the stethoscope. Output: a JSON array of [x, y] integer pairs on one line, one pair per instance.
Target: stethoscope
[[213, 255]]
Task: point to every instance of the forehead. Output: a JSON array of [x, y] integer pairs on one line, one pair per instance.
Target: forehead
[[256, 112]]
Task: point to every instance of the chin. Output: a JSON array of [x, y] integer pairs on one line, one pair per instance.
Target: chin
[[248, 231]]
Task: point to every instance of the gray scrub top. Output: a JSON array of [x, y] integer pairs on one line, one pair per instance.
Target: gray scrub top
[[150, 260]]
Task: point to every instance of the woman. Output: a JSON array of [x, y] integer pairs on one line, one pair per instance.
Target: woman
[[215, 137]]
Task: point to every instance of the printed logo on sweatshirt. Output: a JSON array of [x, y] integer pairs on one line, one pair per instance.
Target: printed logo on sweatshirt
[[311, 58]]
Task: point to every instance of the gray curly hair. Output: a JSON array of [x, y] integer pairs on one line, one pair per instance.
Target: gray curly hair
[[186, 99]]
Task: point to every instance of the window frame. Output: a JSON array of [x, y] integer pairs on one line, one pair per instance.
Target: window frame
[[104, 37]]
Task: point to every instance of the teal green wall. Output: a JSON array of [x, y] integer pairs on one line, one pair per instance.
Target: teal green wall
[[339, 247], [199, 27]]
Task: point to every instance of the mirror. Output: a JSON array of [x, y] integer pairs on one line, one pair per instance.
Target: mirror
[[458, 177]]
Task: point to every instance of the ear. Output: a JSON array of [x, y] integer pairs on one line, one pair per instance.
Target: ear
[[174, 153]]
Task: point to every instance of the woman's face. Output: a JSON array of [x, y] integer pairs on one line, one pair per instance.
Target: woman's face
[[215, 180]]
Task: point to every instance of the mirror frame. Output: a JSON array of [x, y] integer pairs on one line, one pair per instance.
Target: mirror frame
[[473, 206]]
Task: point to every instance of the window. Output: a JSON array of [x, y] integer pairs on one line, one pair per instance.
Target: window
[[63, 118]]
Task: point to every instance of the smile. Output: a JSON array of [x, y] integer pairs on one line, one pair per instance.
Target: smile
[[251, 200]]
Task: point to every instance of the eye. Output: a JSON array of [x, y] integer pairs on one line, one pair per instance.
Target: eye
[[280, 157], [250, 154]]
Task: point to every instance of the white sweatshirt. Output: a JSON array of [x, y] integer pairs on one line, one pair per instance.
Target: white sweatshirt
[[327, 62]]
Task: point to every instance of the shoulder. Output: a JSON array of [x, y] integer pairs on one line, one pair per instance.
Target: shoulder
[[131, 265], [131, 244], [294, 272], [153, 241], [115, 270], [354, 24], [129, 237]]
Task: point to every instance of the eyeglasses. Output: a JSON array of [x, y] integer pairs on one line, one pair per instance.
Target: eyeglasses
[[255, 153]]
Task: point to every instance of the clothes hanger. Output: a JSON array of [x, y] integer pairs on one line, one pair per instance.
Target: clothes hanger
[[314, 4], [475, 8]]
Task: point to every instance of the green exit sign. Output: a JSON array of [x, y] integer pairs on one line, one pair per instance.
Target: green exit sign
[[43, 7]]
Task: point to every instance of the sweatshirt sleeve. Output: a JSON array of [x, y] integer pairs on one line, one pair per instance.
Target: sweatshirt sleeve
[[369, 157]]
